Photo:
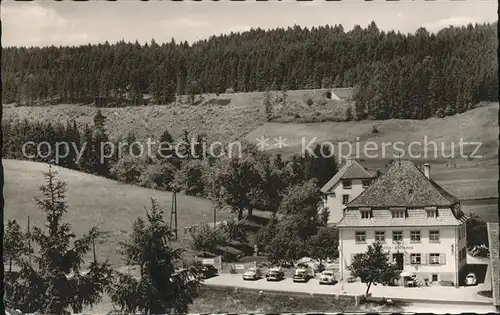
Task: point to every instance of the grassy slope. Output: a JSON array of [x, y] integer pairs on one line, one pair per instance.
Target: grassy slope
[[230, 118], [95, 201], [243, 113], [474, 178], [150, 121]]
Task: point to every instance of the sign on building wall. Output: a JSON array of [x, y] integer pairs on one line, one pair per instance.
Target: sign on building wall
[[395, 248]]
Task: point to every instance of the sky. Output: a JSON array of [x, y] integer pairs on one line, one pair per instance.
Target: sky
[[44, 23]]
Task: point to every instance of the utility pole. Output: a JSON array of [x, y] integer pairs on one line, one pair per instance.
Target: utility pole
[[173, 213], [29, 242], [93, 248], [215, 216]]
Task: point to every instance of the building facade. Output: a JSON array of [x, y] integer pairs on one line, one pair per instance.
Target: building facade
[[350, 181], [493, 240], [419, 224]]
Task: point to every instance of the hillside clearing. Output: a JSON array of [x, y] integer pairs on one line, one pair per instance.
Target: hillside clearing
[[223, 117], [466, 178], [96, 201]]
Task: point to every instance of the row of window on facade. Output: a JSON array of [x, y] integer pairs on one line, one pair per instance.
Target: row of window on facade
[[432, 258], [396, 214], [397, 236], [421, 259], [347, 183]]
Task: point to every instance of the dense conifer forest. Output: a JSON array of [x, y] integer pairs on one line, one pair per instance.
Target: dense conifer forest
[[412, 76]]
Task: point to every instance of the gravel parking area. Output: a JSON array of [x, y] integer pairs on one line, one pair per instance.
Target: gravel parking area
[[433, 293]]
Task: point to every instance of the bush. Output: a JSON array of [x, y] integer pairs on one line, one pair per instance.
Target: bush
[[309, 102], [207, 239], [348, 114], [159, 175], [191, 177], [236, 231], [477, 232], [128, 169], [440, 113], [374, 129]]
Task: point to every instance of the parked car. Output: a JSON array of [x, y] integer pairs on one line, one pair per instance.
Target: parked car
[[303, 274], [327, 277], [275, 274], [351, 279], [252, 274], [470, 279], [209, 271]]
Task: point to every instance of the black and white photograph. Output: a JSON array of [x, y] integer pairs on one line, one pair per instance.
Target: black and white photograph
[[250, 157]]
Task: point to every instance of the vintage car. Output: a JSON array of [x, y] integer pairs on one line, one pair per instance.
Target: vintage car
[[470, 279], [275, 274], [303, 274], [327, 277], [209, 271], [252, 274], [352, 279]]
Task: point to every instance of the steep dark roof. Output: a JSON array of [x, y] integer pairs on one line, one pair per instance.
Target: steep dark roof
[[404, 185], [351, 170]]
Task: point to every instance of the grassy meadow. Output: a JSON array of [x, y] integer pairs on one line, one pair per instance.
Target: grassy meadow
[[472, 178], [95, 201]]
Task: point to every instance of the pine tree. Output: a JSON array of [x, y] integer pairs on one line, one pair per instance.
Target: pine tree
[[15, 243], [100, 147], [56, 282], [161, 289], [268, 106]]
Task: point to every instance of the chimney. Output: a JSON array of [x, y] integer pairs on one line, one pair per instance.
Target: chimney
[[348, 160], [427, 170]]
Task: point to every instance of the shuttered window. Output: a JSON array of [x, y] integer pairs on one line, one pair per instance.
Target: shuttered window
[[431, 213], [433, 236], [442, 259], [360, 237], [416, 259], [346, 184], [380, 236], [434, 259], [366, 214], [415, 236], [345, 199], [397, 236], [398, 214]]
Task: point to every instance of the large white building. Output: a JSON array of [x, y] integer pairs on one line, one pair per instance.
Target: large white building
[[417, 221], [350, 181]]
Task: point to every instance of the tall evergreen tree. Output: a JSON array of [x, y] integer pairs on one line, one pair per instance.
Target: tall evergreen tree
[[161, 289], [56, 282]]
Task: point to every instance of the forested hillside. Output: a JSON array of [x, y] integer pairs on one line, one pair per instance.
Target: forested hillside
[[413, 76]]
